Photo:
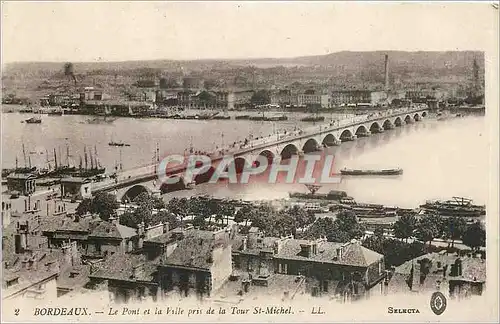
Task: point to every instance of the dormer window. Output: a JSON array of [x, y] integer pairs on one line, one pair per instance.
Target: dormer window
[[12, 282]]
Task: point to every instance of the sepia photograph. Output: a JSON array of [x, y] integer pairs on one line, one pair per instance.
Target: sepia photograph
[[249, 161]]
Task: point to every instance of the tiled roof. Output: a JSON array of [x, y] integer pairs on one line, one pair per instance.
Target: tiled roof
[[266, 244], [472, 268], [352, 254], [73, 277], [111, 230], [194, 251], [161, 239], [120, 266]]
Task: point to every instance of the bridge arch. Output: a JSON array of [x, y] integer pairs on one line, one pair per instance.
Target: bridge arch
[[329, 140], [311, 145], [387, 124], [416, 117], [361, 130], [169, 187], [424, 114], [133, 192], [346, 135], [408, 119], [375, 127], [268, 154], [239, 164], [398, 122], [288, 151], [205, 176]]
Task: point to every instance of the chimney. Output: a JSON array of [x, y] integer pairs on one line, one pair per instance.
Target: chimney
[[245, 244], [306, 250], [166, 227], [140, 234], [75, 260], [138, 271], [339, 253], [386, 66], [22, 231], [66, 248]]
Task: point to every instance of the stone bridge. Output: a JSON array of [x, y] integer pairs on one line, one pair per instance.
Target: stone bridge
[[129, 184]]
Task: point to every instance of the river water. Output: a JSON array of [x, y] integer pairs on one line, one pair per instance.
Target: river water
[[440, 158]]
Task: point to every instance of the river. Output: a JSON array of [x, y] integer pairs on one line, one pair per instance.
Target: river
[[440, 159]]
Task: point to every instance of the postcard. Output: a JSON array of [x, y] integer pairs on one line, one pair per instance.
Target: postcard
[[249, 161]]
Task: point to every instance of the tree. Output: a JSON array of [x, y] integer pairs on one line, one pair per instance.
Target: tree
[[164, 216], [128, 219], [404, 226], [379, 232], [429, 228], [179, 207], [454, 228], [227, 210], [475, 236], [84, 207], [103, 203], [260, 97], [347, 223]]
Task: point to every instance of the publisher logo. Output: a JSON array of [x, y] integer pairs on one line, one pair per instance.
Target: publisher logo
[[438, 303]]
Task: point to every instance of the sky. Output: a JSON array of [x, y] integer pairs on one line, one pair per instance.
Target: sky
[[120, 31]]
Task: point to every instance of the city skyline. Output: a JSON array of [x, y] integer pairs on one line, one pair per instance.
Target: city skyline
[[58, 32]]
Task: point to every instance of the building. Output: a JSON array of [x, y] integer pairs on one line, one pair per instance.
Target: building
[[333, 269], [346, 97], [308, 100], [75, 188], [193, 83], [30, 276], [454, 275], [128, 277], [43, 203], [242, 98], [117, 108], [23, 183], [199, 265], [108, 238]]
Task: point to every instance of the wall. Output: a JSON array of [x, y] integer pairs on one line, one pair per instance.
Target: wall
[[222, 266], [36, 203]]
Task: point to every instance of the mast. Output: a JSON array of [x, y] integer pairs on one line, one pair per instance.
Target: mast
[[157, 152], [97, 164], [29, 161], [80, 162], [121, 164], [85, 155], [91, 160], [55, 158], [17, 163], [67, 155], [24, 155]]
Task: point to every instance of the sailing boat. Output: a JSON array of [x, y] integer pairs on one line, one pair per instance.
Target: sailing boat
[[17, 169], [113, 143], [95, 166]]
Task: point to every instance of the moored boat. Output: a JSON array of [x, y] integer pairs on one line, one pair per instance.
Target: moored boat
[[33, 120], [357, 172], [458, 206]]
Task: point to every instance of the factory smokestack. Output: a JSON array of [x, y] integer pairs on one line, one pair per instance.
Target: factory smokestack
[[386, 72]]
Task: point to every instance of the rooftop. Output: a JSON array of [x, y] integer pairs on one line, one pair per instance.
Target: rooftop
[[120, 266], [113, 230], [352, 253], [194, 251]]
